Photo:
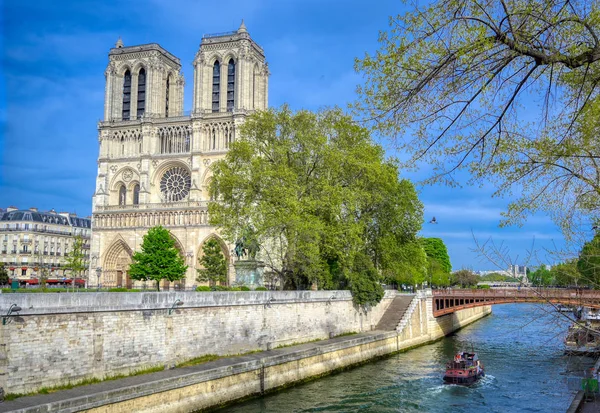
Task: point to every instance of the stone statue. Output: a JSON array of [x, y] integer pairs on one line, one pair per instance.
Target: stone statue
[[239, 248], [247, 244]]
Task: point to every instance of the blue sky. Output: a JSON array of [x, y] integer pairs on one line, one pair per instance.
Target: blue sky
[[55, 53]]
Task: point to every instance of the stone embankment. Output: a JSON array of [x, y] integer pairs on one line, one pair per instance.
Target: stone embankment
[[306, 315]]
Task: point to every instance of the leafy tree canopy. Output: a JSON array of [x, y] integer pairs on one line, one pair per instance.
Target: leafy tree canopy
[[213, 262], [438, 261], [3, 274], [542, 276], [364, 282], [566, 274], [506, 89], [465, 278], [495, 276], [75, 259], [589, 262], [158, 259], [317, 191]]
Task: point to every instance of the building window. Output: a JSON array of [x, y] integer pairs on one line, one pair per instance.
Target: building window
[[136, 194], [167, 97], [126, 95], [216, 86], [23, 272], [122, 195], [175, 184], [141, 93], [230, 85]]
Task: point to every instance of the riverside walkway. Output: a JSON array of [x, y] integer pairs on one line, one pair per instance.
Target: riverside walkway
[[451, 300], [114, 391]]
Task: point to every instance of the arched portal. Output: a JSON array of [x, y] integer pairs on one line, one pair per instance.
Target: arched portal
[[117, 260]]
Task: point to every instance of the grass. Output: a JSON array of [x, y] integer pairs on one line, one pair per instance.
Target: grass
[[84, 382], [199, 360], [350, 333]]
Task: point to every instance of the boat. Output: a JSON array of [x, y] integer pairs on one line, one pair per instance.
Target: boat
[[563, 308], [466, 368]]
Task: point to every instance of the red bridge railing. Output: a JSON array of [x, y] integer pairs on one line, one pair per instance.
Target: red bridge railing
[[451, 300]]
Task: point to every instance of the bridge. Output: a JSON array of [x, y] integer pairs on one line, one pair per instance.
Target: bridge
[[449, 301]]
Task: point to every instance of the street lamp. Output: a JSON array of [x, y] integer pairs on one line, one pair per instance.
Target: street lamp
[[98, 273], [178, 303], [13, 309]]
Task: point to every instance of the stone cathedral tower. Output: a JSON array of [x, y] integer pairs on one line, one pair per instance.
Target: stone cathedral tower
[[155, 161]]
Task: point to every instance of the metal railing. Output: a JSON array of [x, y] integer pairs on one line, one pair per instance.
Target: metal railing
[[212, 35]]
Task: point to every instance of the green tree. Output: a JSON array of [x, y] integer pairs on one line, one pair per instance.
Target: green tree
[[3, 274], [542, 276], [566, 274], [465, 278], [213, 262], [589, 262], [364, 282], [452, 78], [495, 276], [75, 259], [158, 259], [438, 261], [317, 191]]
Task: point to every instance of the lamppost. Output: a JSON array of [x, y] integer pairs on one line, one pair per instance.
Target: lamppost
[[98, 274]]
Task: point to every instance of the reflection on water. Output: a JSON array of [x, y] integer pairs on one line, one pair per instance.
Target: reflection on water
[[520, 346]]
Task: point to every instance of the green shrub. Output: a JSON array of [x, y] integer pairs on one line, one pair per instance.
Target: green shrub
[[117, 290], [203, 288], [219, 288], [483, 287], [235, 289], [261, 289], [244, 288]]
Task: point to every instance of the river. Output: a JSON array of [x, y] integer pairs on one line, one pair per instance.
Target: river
[[520, 346]]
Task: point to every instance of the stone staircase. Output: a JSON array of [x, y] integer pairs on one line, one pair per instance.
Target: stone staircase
[[394, 313]]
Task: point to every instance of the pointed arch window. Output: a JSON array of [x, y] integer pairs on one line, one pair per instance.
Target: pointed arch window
[[167, 97], [230, 85], [122, 195], [141, 93], [216, 86], [136, 194], [126, 95]]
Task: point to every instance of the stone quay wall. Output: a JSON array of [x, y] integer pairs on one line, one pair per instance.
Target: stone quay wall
[[226, 380], [68, 337]]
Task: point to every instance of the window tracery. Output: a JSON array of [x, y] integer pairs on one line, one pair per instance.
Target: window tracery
[[230, 85], [216, 86], [175, 184], [126, 95], [125, 142], [136, 194], [141, 93], [122, 195], [175, 139]]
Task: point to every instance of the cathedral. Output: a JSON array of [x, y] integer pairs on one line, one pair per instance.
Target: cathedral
[[154, 162]]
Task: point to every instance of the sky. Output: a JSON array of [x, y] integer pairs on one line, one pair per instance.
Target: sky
[[51, 98]]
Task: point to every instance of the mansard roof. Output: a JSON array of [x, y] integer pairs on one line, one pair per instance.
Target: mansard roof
[[50, 217]]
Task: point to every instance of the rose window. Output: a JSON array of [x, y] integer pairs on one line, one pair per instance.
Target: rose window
[[175, 184]]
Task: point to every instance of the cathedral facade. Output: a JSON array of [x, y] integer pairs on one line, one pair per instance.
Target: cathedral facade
[[154, 163]]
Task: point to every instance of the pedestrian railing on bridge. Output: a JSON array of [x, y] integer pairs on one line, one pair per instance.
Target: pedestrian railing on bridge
[[447, 301]]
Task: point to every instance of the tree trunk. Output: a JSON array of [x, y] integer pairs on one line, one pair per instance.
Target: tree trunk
[[157, 285]]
